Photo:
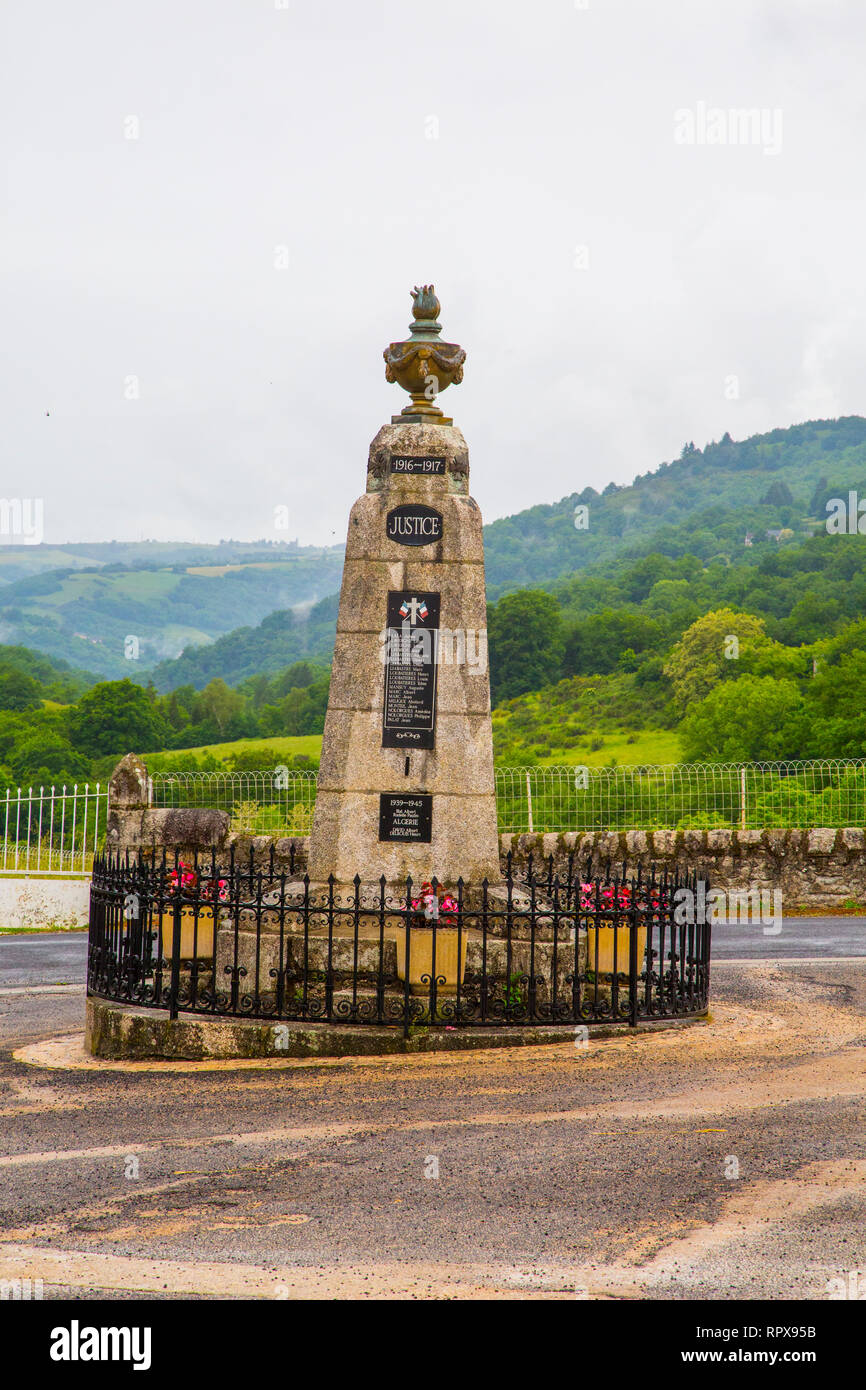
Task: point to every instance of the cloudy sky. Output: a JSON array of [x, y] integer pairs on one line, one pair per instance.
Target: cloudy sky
[[214, 210]]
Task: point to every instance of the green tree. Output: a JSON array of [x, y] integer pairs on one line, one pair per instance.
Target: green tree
[[45, 759], [596, 646], [526, 641], [221, 703], [720, 645], [18, 691], [116, 717], [756, 718]]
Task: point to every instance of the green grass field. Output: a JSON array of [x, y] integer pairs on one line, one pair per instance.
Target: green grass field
[[309, 745], [651, 747]]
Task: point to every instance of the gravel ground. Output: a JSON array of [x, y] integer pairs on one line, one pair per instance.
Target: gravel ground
[[599, 1173]]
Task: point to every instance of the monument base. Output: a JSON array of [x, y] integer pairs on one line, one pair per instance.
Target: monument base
[[121, 1032]]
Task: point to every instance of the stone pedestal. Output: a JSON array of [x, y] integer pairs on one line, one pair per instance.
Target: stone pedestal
[[423, 470]]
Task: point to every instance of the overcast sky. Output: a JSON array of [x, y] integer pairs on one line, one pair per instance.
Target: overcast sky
[[620, 284]]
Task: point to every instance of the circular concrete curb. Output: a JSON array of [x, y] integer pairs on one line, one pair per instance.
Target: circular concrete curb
[[119, 1032]]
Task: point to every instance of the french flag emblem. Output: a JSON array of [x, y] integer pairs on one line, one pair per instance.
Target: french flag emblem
[[420, 610]]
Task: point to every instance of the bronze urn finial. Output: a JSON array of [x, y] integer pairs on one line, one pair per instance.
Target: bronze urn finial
[[422, 364]]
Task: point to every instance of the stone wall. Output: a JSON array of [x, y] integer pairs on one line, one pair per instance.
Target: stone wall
[[135, 825], [813, 868]]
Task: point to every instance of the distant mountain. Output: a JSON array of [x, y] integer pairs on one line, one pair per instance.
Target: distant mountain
[[18, 561], [86, 615], [79, 603], [704, 504], [281, 639], [58, 681]]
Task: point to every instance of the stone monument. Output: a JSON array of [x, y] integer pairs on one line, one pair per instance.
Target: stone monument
[[406, 776]]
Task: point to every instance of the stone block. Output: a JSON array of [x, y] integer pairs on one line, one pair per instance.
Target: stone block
[[587, 846], [664, 843], [188, 828], [821, 841], [463, 844], [694, 842], [749, 839], [720, 841], [854, 839], [447, 440], [129, 786], [460, 540], [550, 845], [610, 847], [353, 759]]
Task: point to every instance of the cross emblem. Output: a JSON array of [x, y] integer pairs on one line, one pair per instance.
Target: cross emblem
[[412, 609]]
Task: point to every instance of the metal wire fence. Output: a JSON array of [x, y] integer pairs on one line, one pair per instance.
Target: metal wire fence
[[262, 803], [744, 796], [705, 796]]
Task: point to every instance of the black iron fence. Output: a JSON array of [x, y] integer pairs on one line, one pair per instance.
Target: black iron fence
[[537, 948]]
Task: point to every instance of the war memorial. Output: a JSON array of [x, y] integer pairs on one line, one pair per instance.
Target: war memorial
[[398, 923]]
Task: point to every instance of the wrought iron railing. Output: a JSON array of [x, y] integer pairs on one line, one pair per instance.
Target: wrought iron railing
[[740, 796], [539, 948]]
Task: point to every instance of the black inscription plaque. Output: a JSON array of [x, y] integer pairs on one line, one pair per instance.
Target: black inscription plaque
[[418, 463], [414, 524], [406, 816], [409, 704]]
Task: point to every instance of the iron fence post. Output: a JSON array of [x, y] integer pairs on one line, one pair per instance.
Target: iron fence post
[[632, 963], [174, 984]]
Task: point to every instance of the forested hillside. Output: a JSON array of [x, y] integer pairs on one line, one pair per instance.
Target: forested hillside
[[721, 629], [185, 596], [703, 503], [81, 602], [279, 639]]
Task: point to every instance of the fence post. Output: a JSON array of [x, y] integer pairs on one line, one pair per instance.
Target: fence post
[[529, 801], [632, 961], [174, 984], [742, 798]]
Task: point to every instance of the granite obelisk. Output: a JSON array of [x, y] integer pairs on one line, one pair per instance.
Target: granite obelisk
[[406, 777]]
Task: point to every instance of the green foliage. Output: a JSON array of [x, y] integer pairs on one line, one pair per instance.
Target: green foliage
[[712, 649], [247, 653], [18, 691], [700, 505], [43, 758], [757, 718], [526, 641], [116, 717], [598, 645]]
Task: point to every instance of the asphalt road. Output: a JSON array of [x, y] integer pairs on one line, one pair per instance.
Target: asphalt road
[[60, 958], [819, 937], [720, 1161], [50, 959]]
